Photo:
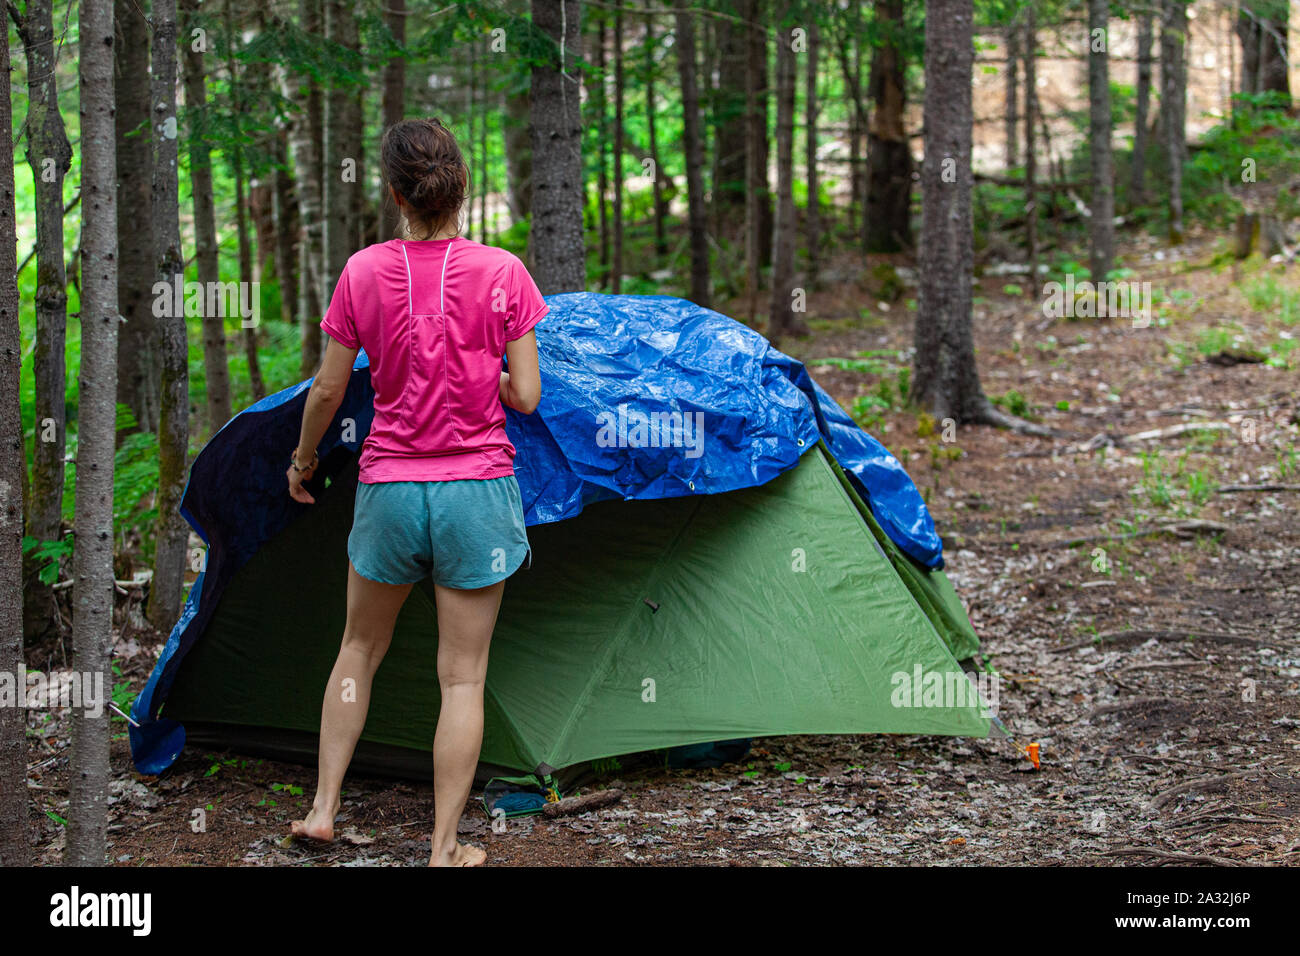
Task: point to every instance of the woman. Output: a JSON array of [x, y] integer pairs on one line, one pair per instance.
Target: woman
[[437, 495]]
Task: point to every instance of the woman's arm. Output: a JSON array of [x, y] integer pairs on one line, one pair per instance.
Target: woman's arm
[[521, 387], [323, 401]]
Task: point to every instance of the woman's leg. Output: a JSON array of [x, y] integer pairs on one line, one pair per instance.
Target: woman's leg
[[466, 619], [372, 611]]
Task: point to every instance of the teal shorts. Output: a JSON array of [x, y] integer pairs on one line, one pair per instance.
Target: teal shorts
[[465, 534]]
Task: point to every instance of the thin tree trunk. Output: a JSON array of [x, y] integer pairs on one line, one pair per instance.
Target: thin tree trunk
[[342, 171], [1011, 98], [599, 107], [394, 105], [850, 69], [1030, 53], [49, 155], [171, 534], [888, 223], [758, 136], [215, 363], [693, 146], [485, 174], [137, 365], [241, 208], [519, 155], [657, 190], [616, 277], [305, 147], [730, 123], [757, 239], [781, 317], [559, 252], [92, 590], [284, 213], [1102, 225], [945, 380], [1173, 106], [15, 830], [1138, 166], [812, 108]]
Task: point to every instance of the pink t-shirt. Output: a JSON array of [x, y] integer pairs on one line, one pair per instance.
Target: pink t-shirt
[[434, 317]]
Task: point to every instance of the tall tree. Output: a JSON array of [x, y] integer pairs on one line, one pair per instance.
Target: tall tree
[[518, 150], [945, 379], [599, 107], [1102, 225], [693, 147], [812, 108], [1137, 168], [15, 831], [1029, 51], [171, 533], [50, 156], [559, 253], [1173, 105], [781, 318], [1011, 97], [888, 225], [660, 200], [759, 217], [237, 164], [342, 176], [616, 264], [394, 101], [216, 367], [730, 121], [306, 139], [92, 589], [137, 365]]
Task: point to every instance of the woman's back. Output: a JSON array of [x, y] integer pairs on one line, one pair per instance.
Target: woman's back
[[434, 317]]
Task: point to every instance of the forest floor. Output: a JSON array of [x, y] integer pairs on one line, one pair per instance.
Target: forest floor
[[1155, 661]]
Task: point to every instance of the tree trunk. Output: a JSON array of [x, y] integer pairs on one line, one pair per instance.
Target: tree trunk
[[137, 365], [241, 208], [1102, 225], [1262, 27], [1030, 53], [342, 176], [1173, 106], [657, 187], [394, 105], [306, 147], [945, 380], [812, 108], [284, 213], [693, 147], [216, 367], [616, 276], [50, 155], [888, 224], [559, 252], [519, 155], [730, 124], [781, 317], [850, 69], [1011, 98], [171, 533], [15, 830], [1137, 169], [756, 148], [598, 106], [92, 591]]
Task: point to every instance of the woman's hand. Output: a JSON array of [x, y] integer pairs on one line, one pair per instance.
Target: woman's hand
[[296, 490]]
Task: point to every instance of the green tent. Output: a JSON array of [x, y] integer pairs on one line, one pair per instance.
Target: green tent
[[777, 609]]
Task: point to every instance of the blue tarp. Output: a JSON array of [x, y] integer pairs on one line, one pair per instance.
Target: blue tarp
[[643, 397]]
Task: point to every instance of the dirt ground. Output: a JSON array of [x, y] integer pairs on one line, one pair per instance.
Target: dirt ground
[[1142, 615]]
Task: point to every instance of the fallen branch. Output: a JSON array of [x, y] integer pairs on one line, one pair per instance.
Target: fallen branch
[[1204, 783], [1183, 529], [1235, 489], [590, 801], [1172, 857]]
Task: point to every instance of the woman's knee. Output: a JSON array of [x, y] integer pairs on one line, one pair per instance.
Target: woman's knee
[[372, 646]]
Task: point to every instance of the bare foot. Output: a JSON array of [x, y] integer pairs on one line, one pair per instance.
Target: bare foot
[[319, 825], [461, 856]]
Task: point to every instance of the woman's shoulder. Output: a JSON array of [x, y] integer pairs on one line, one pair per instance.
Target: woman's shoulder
[[375, 253]]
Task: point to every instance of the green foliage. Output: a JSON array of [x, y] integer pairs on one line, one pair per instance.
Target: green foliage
[[50, 552]]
